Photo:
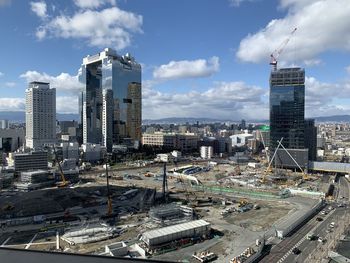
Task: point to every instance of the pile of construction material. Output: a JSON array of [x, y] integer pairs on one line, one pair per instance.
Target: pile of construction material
[[37, 179], [205, 256], [244, 256], [171, 214], [90, 234]]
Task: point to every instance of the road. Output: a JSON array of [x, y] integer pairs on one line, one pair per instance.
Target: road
[[307, 246], [282, 248], [343, 190], [282, 252]]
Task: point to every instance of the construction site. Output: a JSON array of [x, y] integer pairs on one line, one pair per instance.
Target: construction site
[[207, 210], [225, 209]]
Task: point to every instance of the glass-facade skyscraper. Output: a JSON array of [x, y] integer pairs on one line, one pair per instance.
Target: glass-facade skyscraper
[[108, 71], [287, 108]]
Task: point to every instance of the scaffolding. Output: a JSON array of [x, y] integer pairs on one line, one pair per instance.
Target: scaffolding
[[171, 214]]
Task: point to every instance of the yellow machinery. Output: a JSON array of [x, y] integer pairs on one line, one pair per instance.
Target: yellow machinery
[[243, 202], [64, 182], [268, 170]]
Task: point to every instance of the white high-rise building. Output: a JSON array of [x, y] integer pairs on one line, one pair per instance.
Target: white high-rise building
[[40, 114], [206, 152]]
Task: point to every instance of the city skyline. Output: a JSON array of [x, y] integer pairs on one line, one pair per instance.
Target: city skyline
[[219, 72]]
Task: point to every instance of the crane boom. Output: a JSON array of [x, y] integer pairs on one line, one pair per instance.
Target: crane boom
[[279, 50], [64, 182]]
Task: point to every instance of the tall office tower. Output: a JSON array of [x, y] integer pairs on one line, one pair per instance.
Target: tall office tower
[[107, 119], [109, 71], [287, 107], [311, 138], [40, 114], [133, 112]]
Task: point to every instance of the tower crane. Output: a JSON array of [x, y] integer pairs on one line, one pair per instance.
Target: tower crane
[[109, 197], [274, 56]]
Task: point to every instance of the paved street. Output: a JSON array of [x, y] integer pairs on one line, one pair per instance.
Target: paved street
[[307, 246], [282, 248], [282, 252]]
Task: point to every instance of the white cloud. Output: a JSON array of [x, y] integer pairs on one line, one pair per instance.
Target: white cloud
[[10, 84], [12, 104], [322, 25], [111, 27], [39, 8], [347, 69], [237, 3], [1, 74], [312, 62], [225, 100], [63, 82], [237, 100], [325, 99], [67, 104], [64, 104], [93, 3], [187, 69]]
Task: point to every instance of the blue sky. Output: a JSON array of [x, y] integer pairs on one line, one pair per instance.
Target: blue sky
[[200, 58]]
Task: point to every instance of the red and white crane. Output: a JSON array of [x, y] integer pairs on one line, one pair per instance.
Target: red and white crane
[[279, 50]]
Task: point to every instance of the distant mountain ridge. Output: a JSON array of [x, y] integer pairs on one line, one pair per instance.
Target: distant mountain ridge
[[19, 116], [191, 120], [335, 118]]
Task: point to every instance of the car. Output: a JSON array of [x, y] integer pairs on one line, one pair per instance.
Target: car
[[311, 236], [332, 225], [341, 205], [319, 219], [296, 251], [321, 240]]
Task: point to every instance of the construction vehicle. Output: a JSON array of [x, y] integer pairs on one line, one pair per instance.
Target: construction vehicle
[[64, 182], [268, 170], [243, 202], [148, 174], [274, 56]]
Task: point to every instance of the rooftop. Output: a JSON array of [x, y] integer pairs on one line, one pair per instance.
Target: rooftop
[[174, 229], [39, 83]]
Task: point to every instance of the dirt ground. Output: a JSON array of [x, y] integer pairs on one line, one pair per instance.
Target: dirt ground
[[261, 219], [254, 220]]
